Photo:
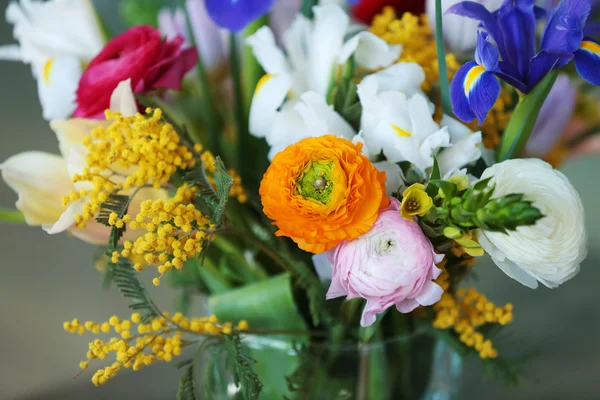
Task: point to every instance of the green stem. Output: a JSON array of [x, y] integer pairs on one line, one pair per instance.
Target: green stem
[[208, 109], [11, 216], [441, 56], [252, 70], [307, 6], [240, 117]]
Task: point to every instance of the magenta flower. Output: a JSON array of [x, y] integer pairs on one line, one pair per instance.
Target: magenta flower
[[393, 264]]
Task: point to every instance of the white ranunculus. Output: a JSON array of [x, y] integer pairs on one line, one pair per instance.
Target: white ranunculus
[[551, 250], [460, 32]]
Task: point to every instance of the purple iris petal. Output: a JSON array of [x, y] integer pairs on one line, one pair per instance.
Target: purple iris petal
[[564, 29], [486, 54], [234, 15], [460, 103], [587, 61], [476, 11], [554, 117], [543, 63], [517, 24], [483, 95]]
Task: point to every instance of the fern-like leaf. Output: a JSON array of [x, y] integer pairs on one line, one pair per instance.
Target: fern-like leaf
[[126, 279], [187, 387], [213, 197], [115, 203], [243, 374]]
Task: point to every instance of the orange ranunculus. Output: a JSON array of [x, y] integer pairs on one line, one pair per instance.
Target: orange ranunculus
[[321, 191]]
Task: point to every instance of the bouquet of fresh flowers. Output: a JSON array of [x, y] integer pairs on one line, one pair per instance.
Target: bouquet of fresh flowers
[[324, 187]]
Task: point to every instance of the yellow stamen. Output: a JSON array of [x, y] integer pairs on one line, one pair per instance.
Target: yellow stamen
[[472, 77], [401, 132], [47, 70]]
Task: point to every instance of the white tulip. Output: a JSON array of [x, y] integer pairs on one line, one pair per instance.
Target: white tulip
[[57, 38], [550, 251], [42, 179], [460, 33]]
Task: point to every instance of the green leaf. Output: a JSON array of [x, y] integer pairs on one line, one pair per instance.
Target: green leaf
[[214, 199], [141, 12], [243, 374], [266, 305], [118, 204], [307, 6], [126, 279], [187, 389], [523, 119], [431, 189], [441, 56], [365, 334], [11, 216]]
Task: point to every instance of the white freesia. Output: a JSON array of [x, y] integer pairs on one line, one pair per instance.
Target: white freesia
[[312, 50], [310, 116], [42, 179], [550, 251], [56, 37], [398, 123], [465, 146], [393, 173], [460, 33]]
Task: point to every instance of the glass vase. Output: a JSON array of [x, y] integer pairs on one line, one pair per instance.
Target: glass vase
[[417, 367]]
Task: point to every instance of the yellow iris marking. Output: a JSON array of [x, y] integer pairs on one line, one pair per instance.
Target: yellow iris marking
[[47, 69], [401, 132], [472, 77], [592, 47], [262, 81]]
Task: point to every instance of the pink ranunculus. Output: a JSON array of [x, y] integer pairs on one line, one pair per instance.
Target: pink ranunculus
[[140, 54], [393, 264]]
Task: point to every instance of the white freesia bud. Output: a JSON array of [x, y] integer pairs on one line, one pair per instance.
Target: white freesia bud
[[551, 250], [460, 33]]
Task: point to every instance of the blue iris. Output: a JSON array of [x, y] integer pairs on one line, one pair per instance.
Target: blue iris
[[234, 15], [506, 50]]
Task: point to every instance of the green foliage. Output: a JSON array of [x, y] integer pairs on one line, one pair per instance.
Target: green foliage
[[118, 204], [213, 199], [11, 216], [523, 119], [187, 387], [441, 56], [126, 279], [243, 374], [475, 208], [141, 12], [343, 95]]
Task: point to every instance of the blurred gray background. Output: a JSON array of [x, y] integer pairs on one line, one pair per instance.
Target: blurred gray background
[[46, 280]]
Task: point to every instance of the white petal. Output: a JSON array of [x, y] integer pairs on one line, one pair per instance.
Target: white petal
[[466, 151], [401, 77], [510, 268], [66, 219], [10, 53], [329, 27], [270, 57], [370, 51], [207, 35], [40, 180], [270, 93], [394, 176], [457, 129], [57, 81], [122, 99]]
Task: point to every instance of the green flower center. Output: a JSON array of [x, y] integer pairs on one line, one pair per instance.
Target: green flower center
[[315, 181]]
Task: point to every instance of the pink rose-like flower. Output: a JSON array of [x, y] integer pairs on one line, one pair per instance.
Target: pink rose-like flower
[[140, 54], [393, 264]]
